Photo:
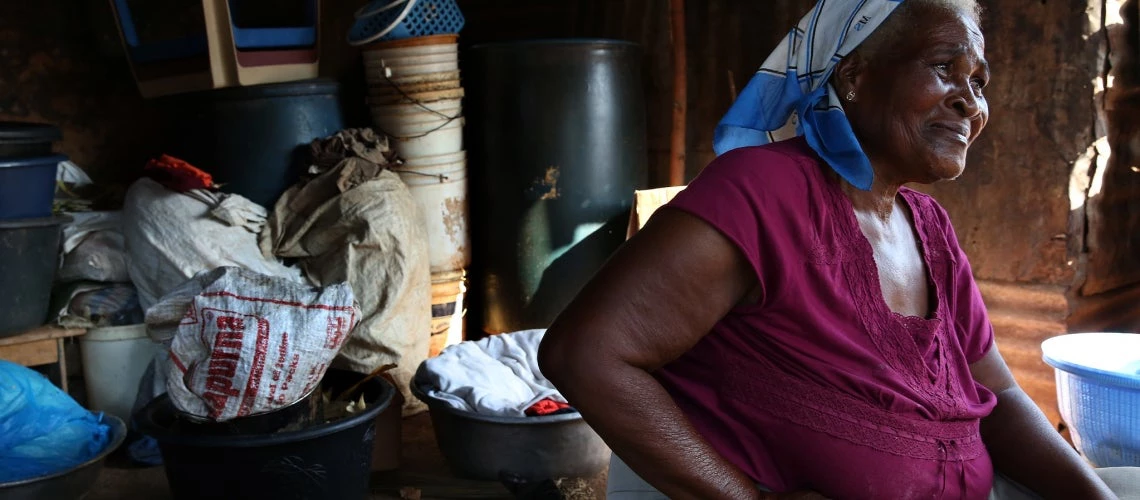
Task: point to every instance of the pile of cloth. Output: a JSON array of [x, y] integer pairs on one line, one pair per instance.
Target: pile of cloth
[[496, 376], [94, 286]]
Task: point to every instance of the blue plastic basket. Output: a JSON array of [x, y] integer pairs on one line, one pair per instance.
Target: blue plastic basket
[[385, 20], [1098, 391]]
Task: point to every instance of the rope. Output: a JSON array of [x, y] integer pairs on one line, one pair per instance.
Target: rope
[[420, 104]]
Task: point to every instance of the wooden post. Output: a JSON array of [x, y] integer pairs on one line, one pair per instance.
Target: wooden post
[[680, 94]]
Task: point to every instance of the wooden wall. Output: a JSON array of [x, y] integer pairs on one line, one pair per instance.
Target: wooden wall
[[61, 63]]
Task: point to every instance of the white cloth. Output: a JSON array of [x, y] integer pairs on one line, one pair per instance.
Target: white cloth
[[496, 376]]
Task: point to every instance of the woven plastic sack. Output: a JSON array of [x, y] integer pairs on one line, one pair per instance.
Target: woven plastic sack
[[43, 430], [246, 343]]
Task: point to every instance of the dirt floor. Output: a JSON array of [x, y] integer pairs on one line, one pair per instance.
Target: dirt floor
[[423, 474]]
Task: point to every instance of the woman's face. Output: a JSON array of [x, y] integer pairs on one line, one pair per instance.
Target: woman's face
[[920, 104]]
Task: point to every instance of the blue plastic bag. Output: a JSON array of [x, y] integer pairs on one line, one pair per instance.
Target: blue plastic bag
[[43, 430]]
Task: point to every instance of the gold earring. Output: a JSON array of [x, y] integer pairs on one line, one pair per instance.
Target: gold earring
[[851, 96]]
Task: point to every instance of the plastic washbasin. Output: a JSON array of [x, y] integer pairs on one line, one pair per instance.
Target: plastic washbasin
[[1098, 391], [486, 447]]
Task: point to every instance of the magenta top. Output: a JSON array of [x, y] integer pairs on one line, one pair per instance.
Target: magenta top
[[819, 385]]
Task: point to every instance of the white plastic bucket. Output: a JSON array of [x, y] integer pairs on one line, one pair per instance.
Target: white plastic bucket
[[416, 140], [417, 69], [448, 107], [440, 192], [375, 76], [416, 125], [383, 97], [384, 89], [387, 95], [404, 108], [426, 77], [447, 311], [411, 60], [395, 124], [443, 48], [114, 360], [421, 163]]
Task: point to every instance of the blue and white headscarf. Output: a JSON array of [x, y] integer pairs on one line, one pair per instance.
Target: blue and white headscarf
[[796, 78]]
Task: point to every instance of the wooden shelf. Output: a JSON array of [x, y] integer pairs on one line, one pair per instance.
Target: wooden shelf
[[42, 333], [40, 346]]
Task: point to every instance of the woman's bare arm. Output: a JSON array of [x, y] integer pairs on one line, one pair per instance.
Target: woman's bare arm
[[1024, 445], [653, 301]]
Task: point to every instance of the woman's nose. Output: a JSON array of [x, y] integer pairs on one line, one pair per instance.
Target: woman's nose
[[965, 102]]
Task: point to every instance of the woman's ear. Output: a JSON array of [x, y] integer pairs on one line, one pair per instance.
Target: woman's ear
[[845, 79]]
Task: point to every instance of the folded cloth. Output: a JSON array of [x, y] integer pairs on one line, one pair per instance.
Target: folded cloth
[[94, 305], [496, 376], [177, 175], [547, 407]]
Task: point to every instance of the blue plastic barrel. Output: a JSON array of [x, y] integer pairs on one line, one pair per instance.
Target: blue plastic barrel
[[253, 140]]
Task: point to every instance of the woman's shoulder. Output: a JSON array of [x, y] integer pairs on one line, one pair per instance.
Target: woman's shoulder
[[787, 167], [793, 152]]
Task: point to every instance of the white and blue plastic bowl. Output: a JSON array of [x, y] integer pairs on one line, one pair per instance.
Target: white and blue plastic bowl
[[1098, 391]]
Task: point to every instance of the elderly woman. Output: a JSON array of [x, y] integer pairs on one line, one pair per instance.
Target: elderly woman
[[798, 321]]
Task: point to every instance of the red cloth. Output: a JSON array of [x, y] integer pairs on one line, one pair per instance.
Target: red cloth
[[546, 407], [177, 175], [819, 385]]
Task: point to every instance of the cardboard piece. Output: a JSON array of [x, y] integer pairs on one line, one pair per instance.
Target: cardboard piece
[[645, 202]]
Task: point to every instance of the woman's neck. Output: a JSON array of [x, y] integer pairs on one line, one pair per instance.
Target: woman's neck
[[879, 201]]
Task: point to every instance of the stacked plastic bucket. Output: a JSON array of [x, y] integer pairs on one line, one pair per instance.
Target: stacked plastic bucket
[[29, 234], [415, 98]]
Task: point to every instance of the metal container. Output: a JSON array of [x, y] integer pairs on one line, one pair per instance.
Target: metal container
[[67, 485], [530, 448], [557, 146]]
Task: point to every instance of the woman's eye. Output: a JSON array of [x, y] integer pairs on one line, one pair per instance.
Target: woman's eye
[[978, 84], [943, 66]]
